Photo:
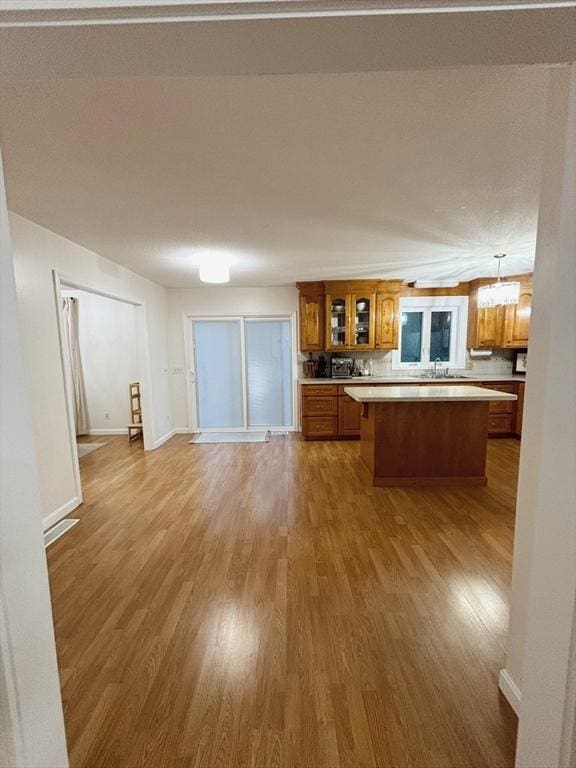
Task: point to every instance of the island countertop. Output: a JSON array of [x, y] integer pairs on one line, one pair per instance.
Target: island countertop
[[418, 394]]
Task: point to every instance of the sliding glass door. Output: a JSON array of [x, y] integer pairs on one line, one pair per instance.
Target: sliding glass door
[[241, 371], [269, 372], [218, 374]]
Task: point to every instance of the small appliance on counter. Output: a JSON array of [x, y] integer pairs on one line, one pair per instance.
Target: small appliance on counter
[[322, 370], [364, 366], [342, 367], [309, 367]]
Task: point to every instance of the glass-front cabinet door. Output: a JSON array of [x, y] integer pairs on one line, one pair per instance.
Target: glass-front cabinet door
[[338, 321], [363, 321]]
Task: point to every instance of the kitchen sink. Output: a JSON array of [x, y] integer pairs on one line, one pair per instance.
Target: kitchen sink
[[427, 377]]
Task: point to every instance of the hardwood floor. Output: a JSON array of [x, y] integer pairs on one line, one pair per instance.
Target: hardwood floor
[[260, 605]]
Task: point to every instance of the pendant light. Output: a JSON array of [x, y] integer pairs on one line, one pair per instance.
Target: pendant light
[[499, 293]]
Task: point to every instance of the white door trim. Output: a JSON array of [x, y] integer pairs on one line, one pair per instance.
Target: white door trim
[[61, 281]]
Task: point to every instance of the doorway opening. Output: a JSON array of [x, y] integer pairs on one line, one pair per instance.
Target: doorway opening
[[241, 373], [104, 356]]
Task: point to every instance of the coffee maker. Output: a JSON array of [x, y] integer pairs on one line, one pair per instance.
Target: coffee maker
[[342, 367]]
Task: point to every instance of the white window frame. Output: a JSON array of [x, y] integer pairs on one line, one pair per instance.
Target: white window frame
[[428, 304]]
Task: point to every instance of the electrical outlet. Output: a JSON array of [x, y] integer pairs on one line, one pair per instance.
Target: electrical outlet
[[177, 369], [106, 414]]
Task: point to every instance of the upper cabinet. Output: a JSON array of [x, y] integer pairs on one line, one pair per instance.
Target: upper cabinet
[[348, 315], [356, 314], [517, 319], [338, 321], [312, 318], [387, 314], [505, 326], [363, 313]]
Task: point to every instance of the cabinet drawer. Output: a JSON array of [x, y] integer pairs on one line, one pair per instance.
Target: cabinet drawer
[[500, 423], [320, 426], [323, 406], [501, 406], [320, 390]]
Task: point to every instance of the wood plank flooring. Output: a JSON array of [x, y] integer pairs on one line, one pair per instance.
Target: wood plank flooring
[[260, 605]]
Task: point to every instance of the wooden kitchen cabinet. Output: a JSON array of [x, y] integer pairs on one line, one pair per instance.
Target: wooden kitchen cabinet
[[312, 321], [338, 310], [362, 320], [501, 413], [324, 427], [387, 313], [319, 411], [349, 315], [349, 412], [319, 406], [350, 310], [490, 327], [500, 327], [517, 317], [485, 326], [328, 413]]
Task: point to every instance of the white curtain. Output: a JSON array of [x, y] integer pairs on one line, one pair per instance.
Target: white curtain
[[70, 308]]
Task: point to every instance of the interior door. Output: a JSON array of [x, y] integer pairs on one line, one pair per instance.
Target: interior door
[[219, 374]]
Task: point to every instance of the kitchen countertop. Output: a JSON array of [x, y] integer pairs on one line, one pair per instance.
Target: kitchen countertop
[[411, 379], [415, 394]]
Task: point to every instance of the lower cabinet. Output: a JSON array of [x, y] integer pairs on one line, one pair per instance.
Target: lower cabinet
[[329, 413], [319, 426], [501, 413], [348, 416]]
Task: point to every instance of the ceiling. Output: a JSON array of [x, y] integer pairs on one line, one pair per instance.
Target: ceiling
[[301, 176]]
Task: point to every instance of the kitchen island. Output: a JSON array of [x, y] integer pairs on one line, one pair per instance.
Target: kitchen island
[[419, 435]]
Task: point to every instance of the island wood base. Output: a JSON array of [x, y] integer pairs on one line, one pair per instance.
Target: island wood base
[[425, 443]]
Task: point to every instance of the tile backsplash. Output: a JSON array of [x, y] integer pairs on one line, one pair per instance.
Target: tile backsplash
[[499, 363]]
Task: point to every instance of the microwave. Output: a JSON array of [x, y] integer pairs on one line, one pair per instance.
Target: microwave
[[341, 367]]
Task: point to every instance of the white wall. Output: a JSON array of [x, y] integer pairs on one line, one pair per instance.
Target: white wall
[[107, 336], [37, 252], [32, 725], [544, 572], [210, 301]]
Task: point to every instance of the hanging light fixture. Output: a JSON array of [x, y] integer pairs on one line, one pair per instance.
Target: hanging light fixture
[[499, 293]]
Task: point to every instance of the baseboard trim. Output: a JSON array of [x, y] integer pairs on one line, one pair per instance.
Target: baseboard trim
[[181, 431], [107, 432], [510, 690], [59, 513], [164, 438]]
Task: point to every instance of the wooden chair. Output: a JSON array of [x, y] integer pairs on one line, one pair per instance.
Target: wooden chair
[[135, 429]]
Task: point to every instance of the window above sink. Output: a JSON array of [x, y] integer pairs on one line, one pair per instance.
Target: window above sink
[[432, 329]]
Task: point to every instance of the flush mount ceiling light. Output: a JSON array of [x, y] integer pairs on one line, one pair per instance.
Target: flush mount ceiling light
[[214, 272], [499, 293]]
